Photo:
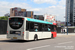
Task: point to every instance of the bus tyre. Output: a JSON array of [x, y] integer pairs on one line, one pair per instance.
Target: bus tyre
[[35, 38], [52, 36]]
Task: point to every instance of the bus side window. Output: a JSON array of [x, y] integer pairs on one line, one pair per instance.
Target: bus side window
[[55, 28], [40, 27], [27, 25], [43, 27], [36, 27], [31, 26], [49, 28], [46, 27], [52, 28]]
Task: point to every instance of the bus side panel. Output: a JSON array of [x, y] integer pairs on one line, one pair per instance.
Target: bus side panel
[[26, 35], [32, 34], [46, 35], [54, 34], [40, 35]]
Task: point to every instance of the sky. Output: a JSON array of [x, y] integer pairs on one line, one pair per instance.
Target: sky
[[39, 7]]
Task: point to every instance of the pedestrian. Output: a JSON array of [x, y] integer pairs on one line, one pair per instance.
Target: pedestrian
[[64, 31]]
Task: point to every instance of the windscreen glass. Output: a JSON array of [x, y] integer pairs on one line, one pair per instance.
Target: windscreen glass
[[16, 23]]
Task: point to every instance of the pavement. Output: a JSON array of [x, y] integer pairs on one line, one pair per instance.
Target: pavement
[[3, 37], [65, 34]]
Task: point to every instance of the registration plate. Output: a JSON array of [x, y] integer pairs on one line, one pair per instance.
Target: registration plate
[[14, 37]]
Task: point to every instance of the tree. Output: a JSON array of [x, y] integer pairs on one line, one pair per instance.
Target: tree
[[4, 18]]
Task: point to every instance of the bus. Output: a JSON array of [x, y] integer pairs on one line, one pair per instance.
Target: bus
[[23, 28]]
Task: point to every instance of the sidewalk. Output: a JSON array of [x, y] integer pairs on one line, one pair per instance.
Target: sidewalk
[[3, 37], [62, 34]]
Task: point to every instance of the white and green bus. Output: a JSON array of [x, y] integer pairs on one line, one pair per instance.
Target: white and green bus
[[23, 28]]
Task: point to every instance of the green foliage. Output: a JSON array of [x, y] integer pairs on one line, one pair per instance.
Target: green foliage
[[4, 18]]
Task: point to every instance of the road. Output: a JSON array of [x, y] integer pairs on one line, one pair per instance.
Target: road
[[66, 42]]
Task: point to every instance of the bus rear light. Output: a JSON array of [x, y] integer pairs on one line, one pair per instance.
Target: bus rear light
[[9, 18], [23, 32], [7, 31], [22, 18]]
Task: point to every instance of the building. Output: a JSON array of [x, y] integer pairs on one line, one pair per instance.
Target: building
[[40, 17], [29, 14], [20, 12], [14, 11], [70, 12]]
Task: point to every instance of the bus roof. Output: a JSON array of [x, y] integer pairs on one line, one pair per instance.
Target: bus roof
[[40, 21]]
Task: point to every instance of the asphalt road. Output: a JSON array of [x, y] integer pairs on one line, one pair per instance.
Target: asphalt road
[[59, 43]]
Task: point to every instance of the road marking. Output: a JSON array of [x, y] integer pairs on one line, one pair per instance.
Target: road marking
[[38, 47], [65, 42]]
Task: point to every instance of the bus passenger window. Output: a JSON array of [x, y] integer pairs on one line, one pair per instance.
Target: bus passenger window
[[52, 27], [40, 27], [46, 27], [31, 26], [27, 25], [36, 26], [49, 28], [43, 27]]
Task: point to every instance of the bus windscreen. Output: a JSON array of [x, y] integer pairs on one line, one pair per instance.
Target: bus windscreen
[[16, 23]]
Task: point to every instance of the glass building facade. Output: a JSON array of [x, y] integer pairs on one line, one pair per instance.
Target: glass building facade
[[70, 11]]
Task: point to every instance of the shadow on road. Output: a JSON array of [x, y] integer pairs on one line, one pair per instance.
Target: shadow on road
[[23, 41], [15, 41]]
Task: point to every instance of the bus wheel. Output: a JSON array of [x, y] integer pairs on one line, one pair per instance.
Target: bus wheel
[[52, 36], [35, 38]]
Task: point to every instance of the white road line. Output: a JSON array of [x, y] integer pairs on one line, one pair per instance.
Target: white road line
[[65, 42], [38, 47]]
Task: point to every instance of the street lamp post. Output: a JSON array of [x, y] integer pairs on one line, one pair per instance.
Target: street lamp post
[[67, 19]]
